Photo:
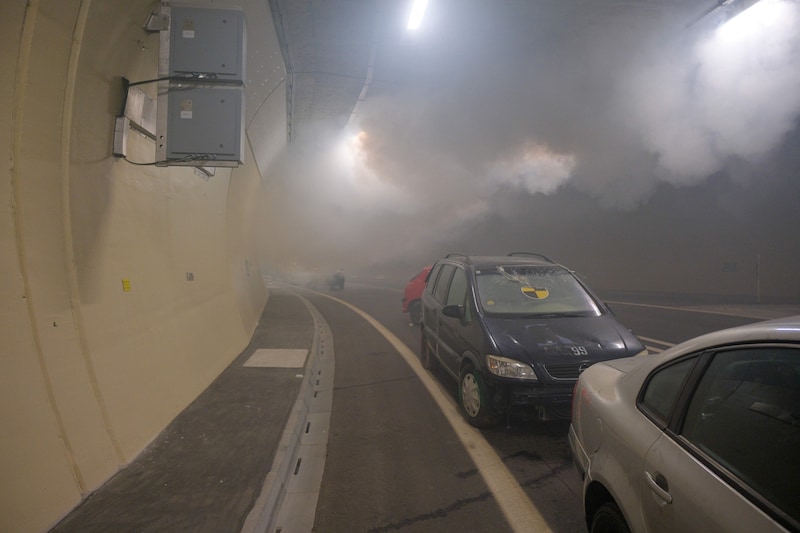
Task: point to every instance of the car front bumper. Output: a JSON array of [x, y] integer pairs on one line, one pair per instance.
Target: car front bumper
[[548, 402]]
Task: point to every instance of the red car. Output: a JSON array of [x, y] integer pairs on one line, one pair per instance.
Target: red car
[[413, 293]]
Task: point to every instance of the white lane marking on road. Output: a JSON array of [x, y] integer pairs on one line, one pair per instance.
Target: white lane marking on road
[[663, 343], [518, 509], [688, 310], [656, 341], [378, 287]]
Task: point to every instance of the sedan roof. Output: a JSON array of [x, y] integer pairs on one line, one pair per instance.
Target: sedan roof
[[785, 329], [778, 329]]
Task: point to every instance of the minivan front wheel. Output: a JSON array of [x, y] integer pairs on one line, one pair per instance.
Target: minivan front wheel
[[473, 396]]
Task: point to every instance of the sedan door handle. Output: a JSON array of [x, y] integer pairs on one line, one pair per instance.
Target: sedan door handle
[[658, 484]]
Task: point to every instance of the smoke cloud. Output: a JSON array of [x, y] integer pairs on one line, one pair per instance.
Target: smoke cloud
[[732, 94], [504, 105]]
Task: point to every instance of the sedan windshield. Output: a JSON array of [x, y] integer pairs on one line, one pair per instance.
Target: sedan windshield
[[535, 291]]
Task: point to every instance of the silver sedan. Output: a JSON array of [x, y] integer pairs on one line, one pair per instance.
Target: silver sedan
[[703, 437]]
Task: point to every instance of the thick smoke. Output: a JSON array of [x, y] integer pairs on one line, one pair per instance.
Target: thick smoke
[[538, 102], [613, 110], [732, 94]]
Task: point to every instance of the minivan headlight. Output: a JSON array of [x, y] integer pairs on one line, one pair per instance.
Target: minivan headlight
[[509, 368]]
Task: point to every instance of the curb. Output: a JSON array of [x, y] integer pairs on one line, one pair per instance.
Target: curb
[[265, 511]]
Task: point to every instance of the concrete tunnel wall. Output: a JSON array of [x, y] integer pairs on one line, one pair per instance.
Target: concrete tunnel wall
[[92, 373]]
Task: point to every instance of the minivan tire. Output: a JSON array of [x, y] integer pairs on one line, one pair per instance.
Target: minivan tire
[[474, 398]]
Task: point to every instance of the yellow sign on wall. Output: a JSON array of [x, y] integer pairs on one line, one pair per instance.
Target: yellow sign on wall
[[126, 285]]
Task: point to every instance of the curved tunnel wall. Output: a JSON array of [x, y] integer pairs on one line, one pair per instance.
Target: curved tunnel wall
[[92, 371]]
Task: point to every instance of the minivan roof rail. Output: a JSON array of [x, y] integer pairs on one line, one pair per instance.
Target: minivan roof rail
[[533, 254], [465, 256]]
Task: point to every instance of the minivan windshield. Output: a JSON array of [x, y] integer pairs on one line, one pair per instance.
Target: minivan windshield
[[534, 291]]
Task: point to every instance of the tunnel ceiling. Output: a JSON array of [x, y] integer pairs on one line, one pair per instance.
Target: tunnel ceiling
[[339, 51]]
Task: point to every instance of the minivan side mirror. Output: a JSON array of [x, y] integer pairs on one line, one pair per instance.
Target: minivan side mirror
[[454, 311]]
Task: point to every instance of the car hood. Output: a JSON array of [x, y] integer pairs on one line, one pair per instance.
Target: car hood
[[562, 340]]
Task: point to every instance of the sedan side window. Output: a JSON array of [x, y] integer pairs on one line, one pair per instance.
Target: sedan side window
[[745, 415], [662, 389]]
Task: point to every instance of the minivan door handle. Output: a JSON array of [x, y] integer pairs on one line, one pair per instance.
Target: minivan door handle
[[658, 484]]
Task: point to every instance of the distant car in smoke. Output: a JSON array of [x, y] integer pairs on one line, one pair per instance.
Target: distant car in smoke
[[413, 293], [302, 277], [336, 281], [515, 330]]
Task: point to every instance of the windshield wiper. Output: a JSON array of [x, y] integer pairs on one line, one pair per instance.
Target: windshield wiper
[[553, 315]]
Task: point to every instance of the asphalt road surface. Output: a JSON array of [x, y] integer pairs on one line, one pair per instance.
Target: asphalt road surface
[[400, 458]]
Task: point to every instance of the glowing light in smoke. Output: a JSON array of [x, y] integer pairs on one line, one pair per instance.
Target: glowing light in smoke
[[350, 150], [357, 186], [357, 143], [536, 168], [417, 12]]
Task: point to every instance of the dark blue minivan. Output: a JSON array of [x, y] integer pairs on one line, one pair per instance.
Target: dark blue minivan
[[516, 330]]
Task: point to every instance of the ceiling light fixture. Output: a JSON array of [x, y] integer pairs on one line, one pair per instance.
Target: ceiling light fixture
[[417, 12], [720, 12]]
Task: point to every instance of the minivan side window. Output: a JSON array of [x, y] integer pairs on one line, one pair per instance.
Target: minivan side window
[[442, 282], [432, 277], [745, 415], [458, 288], [458, 292]]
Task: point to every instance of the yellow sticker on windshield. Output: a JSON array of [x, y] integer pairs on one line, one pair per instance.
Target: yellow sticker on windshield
[[534, 293]]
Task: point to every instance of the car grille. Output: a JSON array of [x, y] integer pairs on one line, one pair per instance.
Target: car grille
[[566, 372]]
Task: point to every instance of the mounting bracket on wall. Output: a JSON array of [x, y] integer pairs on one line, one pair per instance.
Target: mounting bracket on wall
[[139, 113], [156, 22]]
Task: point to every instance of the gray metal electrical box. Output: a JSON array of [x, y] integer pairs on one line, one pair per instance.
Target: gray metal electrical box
[[206, 120], [200, 119], [208, 42]]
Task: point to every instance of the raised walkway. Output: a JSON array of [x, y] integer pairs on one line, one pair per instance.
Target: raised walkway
[[223, 465]]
